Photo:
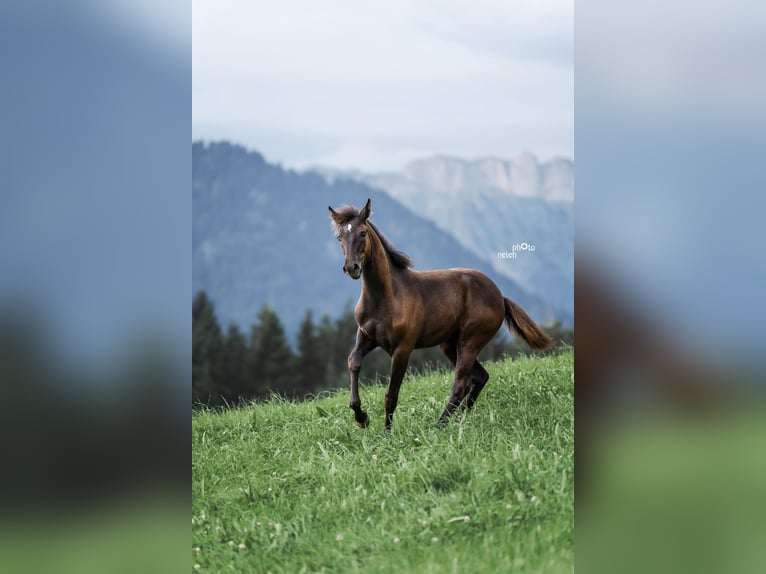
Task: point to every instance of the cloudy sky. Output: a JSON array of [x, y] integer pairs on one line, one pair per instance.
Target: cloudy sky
[[373, 85]]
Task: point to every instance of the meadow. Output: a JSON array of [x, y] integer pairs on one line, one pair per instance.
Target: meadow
[[291, 487]]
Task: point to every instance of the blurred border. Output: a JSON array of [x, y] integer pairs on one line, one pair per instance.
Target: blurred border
[[94, 326], [94, 311], [669, 277]]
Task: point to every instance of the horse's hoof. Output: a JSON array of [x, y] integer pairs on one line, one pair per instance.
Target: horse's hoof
[[365, 423]]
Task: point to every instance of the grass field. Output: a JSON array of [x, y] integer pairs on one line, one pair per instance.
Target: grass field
[[284, 487]]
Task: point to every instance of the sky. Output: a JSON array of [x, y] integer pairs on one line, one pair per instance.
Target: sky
[[374, 85]]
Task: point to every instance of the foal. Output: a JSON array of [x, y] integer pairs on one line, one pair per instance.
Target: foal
[[400, 310]]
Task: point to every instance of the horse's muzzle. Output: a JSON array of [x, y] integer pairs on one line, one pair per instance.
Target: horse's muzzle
[[354, 271]]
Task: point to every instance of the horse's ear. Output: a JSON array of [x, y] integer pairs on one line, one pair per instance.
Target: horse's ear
[[334, 215], [365, 213]]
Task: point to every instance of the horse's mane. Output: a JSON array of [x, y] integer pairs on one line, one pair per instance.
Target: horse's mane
[[348, 213], [396, 257]]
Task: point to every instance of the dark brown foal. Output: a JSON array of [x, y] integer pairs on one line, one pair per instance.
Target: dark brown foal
[[400, 310]]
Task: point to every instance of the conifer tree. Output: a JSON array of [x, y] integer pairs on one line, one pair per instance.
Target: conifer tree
[[309, 372], [333, 374], [207, 348], [270, 359], [234, 367]]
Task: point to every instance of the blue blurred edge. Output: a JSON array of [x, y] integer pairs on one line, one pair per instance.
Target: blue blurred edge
[[670, 275], [94, 324], [95, 271]]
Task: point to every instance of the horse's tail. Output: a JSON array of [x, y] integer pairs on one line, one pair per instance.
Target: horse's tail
[[517, 321]]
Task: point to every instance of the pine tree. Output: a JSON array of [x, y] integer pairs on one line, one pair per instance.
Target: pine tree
[[207, 348], [270, 359], [234, 367], [333, 374], [345, 337], [309, 372]]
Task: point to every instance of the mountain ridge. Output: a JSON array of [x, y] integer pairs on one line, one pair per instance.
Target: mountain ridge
[[524, 175]]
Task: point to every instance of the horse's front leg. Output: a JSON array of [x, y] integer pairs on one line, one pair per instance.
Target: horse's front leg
[[363, 346], [399, 359]]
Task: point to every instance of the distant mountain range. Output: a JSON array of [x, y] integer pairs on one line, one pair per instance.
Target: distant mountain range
[[491, 205], [261, 234]]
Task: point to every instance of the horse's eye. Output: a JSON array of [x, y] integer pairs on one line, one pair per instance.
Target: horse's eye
[[363, 234], [339, 238]]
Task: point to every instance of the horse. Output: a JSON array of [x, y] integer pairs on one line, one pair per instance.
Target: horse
[[400, 310]]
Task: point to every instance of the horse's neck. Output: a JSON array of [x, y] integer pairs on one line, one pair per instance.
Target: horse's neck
[[378, 274]]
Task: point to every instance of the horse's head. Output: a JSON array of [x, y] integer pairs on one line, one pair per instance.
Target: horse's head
[[353, 233]]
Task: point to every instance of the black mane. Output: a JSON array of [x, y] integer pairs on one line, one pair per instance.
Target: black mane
[[396, 257]]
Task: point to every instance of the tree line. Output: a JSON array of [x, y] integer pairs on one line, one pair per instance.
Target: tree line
[[233, 366]]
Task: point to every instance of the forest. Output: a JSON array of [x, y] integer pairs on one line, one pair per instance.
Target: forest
[[233, 366]]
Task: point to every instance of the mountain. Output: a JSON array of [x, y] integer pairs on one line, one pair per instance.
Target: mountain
[[261, 234], [489, 205]]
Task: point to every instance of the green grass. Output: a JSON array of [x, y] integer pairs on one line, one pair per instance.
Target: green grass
[[298, 487]]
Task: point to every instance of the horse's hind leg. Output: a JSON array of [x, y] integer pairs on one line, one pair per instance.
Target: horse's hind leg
[[449, 348], [466, 357], [479, 378]]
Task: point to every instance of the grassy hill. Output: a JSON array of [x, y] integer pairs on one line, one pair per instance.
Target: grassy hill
[[283, 487]]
